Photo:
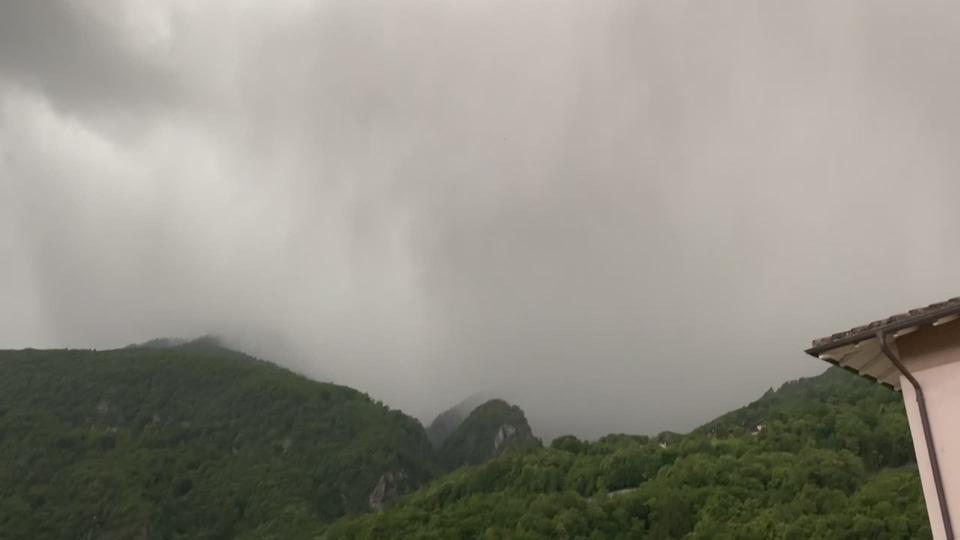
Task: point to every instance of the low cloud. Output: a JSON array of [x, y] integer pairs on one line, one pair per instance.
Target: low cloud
[[629, 217]]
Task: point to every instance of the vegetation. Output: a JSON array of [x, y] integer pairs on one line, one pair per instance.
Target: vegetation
[[832, 458], [189, 441], [449, 420], [492, 429]]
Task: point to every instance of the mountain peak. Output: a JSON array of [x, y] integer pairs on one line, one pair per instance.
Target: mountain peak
[[449, 420], [492, 429]]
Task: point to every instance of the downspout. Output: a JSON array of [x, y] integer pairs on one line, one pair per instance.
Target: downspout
[[927, 432]]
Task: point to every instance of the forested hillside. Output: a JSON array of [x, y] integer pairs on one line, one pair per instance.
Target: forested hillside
[[190, 441], [825, 457]]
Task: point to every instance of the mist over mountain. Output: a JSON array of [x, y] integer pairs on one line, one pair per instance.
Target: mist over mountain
[[593, 213], [449, 420], [592, 226]]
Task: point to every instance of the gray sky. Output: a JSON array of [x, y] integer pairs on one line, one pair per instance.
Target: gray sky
[[624, 216]]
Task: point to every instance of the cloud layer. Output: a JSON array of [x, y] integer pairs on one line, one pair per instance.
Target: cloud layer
[[625, 216]]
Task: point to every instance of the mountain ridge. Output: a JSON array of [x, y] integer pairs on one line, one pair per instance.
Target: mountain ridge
[[192, 439], [492, 429], [833, 459]]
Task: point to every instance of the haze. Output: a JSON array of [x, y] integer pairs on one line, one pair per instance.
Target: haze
[[623, 216]]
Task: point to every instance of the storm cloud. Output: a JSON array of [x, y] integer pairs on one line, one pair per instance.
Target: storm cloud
[[623, 216]]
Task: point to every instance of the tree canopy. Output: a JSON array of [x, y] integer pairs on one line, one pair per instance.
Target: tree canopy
[[190, 441], [825, 457]]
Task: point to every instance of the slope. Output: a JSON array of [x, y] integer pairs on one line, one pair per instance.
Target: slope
[[190, 440], [831, 460], [492, 429], [449, 420]]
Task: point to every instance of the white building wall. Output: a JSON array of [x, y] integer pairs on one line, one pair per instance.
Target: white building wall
[[932, 355]]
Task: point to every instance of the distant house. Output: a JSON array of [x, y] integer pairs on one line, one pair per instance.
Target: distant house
[[916, 353]]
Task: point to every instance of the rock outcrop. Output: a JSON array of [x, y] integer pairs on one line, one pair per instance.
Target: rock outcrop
[[388, 489]]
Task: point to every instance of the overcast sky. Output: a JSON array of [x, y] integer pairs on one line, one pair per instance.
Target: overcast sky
[[623, 216]]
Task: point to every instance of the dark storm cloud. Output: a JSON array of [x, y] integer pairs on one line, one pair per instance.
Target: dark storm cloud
[[630, 217], [60, 48]]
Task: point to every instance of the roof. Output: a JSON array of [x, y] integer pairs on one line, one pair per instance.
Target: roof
[[858, 350]]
